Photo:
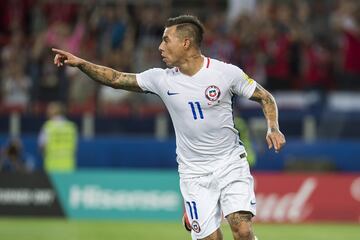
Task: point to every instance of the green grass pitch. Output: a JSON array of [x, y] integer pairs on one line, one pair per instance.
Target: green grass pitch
[[59, 229]]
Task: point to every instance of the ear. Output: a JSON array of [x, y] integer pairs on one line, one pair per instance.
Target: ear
[[187, 43]]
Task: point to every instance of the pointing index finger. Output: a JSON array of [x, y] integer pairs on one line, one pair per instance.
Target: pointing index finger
[[59, 51]]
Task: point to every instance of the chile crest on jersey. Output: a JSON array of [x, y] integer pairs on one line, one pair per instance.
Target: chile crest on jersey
[[212, 93]]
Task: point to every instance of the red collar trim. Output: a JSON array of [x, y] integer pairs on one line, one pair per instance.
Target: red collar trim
[[208, 63]]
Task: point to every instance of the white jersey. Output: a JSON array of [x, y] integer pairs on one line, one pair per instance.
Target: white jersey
[[200, 107]]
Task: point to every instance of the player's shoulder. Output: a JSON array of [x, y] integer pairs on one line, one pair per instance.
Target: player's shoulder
[[154, 71], [227, 70], [222, 66]]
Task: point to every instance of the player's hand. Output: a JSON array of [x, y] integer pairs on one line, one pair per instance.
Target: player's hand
[[67, 58], [275, 139]]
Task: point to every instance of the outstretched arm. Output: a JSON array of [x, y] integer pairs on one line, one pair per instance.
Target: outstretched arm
[[274, 137], [100, 74]]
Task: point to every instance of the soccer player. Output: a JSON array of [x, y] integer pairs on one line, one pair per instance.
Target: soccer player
[[198, 92]]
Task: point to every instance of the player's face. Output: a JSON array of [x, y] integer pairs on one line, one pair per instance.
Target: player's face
[[171, 47]]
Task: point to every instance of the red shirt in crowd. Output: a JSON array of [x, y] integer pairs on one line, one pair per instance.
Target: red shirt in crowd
[[351, 53]]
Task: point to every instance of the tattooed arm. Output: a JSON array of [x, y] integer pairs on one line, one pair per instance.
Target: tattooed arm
[[110, 77], [274, 137], [100, 74]]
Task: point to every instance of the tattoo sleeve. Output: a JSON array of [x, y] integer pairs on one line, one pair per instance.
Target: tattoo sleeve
[[110, 77], [268, 105]]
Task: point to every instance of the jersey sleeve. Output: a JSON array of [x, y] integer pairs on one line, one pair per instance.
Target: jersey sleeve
[[241, 83], [149, 80]]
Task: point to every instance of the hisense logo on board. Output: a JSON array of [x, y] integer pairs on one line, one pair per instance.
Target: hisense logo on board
[[94, 197]]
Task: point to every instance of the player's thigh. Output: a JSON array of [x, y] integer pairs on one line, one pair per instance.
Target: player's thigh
[[201, 201], [237, 193]]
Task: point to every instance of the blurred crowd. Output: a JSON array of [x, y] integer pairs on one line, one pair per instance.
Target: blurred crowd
[[284, 45]]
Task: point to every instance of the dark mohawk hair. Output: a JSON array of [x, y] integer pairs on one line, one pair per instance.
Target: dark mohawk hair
[[189, 25]]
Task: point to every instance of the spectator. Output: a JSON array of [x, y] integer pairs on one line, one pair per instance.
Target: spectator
[[347, 20], [276, 48], [81, 92], [218, 43], [14, 159], [318, 65], [16, 86], [58, 141]]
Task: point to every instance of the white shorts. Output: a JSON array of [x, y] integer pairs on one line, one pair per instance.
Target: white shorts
[[206, 198]]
